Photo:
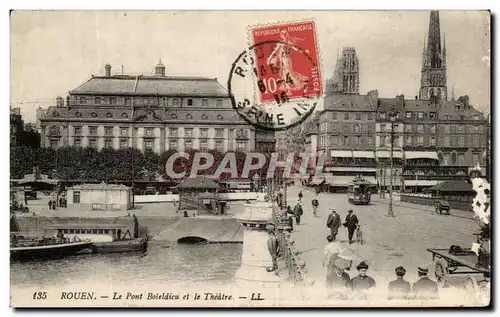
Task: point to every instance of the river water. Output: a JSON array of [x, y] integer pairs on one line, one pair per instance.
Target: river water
[[165, 262]]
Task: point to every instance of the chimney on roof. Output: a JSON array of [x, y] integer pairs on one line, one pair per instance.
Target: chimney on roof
[[464, 100], [160, 69], [108, 70], [59, 102], [401, 100]]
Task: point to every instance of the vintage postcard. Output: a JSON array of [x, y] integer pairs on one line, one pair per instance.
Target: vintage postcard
[[250, 159]]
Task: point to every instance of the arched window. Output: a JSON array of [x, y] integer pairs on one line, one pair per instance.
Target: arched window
[[173, 116], [56, 114], [204, 117], [219, 117], [78, 114], [440, 158], [124, 115], [189, 116], [109, 115]]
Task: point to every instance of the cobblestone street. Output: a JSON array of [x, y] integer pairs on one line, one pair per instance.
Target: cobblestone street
[[389, 241]]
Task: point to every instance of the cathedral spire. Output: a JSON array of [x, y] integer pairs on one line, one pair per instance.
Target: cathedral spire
[[434, 40], [433, 81]]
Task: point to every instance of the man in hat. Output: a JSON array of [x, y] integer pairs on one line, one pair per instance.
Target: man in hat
[[425, 288], [351, 222], [362, 281], [272, 246], [399, 288], [333, 222]]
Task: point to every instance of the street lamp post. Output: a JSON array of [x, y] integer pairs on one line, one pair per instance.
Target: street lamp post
[[392, 117]]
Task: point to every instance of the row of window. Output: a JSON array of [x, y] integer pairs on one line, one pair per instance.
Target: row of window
[[333, 140], [85, 231], [149, 144], [420, 115], [155, 101], [346, 127], [409, 128], [149, 132], [461, 141]]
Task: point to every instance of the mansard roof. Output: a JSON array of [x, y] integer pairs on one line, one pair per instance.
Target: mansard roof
[[151, 85], [143, 114]]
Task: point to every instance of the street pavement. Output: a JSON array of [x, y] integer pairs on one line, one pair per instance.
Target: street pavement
[[389, 241]]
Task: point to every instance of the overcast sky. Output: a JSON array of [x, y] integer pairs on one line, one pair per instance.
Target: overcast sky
[[53, 52]]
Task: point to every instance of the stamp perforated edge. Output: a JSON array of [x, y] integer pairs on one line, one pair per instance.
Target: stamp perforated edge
[[295, 21]]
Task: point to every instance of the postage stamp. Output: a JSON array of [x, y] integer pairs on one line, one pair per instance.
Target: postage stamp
[[282, 65], [288, 69]]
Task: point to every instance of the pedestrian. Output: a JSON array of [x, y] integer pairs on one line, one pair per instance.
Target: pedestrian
[[315, 205], [351, 222], [50, 204], [25, 200], [54, 204], [333, 222], [297, 211], [272, 246], [425, 288], [331, 251], [362, 282], [399, 288], [337, 279]]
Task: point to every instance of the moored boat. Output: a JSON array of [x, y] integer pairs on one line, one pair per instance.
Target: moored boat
[[46, 249], [105, 238]]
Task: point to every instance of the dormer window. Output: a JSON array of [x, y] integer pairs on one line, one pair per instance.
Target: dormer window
[[109, 115], [124, 115], [173, 116], [219, 117], [78, 114], [204, 117], [189, 116], [93, 114]]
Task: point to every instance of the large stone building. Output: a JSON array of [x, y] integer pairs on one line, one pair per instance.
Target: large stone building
[[155, 112]]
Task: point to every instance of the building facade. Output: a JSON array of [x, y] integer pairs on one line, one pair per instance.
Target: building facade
[[346, 133], [156, 113], [99, 197]]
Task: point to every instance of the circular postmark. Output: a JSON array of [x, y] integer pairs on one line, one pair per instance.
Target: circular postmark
[[274, 85]]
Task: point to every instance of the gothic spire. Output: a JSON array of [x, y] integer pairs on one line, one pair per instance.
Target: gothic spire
[[434, 41]]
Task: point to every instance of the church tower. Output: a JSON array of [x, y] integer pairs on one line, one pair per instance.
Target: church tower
[[346, 77], [433, 80]]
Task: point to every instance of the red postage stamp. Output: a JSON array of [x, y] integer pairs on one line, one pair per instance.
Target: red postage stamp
[[288, 65]]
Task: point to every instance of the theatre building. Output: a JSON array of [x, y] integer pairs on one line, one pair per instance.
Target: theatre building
[[155, 112]]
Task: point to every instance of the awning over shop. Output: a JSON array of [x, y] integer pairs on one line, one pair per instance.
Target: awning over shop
[[387, 154], [363, 154], [350, 169], [370, 179], [340, 181], [420, 155], [341, 154], [413, 182]]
